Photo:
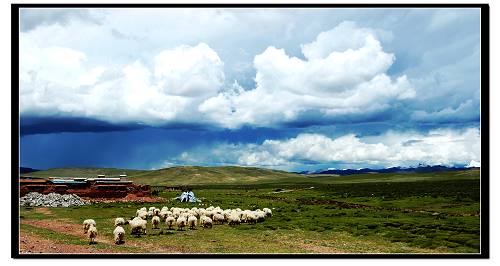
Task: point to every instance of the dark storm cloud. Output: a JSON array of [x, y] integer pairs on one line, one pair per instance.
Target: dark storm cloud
[[47, 125]]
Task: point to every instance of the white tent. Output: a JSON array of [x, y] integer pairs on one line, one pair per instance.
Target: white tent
[[187, 196]]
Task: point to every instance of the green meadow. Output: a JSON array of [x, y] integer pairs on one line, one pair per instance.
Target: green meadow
[[368, 213]]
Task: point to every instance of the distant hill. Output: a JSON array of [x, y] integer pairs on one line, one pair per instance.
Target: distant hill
[[193, 175], [419, 169], [25, 170], [83, 172], [236, 175], [181, 175]]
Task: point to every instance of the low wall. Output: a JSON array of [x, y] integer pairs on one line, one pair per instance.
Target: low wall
[[90, 191]]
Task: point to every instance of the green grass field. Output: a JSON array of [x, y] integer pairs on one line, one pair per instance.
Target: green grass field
[[369, 213]]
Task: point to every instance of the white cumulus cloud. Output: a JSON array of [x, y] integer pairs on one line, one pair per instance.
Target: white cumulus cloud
[[449, 147], [344, 74], [346, 36], [437, 147], [189, 71], [61, 81], [340, 76]]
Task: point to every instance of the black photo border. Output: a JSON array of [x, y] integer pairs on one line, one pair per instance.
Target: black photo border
[[484, 129]]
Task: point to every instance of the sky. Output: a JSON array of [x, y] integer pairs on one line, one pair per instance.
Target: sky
[[289, 89]]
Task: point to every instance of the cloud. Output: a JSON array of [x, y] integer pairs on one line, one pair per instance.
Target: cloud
[[450, 92], [186, 84], [32, 18], [189, 71], [436, 147], [329, 71], [340, 77], [46, 125], [227, 154], [466, 111], [290, 71], [59, 81], [347, 35], [474, 164]]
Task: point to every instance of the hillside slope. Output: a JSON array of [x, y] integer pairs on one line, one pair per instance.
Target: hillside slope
[[198, 175], [181, 175], [193, 175]]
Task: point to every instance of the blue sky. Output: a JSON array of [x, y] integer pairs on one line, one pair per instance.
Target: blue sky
[[291, 89]]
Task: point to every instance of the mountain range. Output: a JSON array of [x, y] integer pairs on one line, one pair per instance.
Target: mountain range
[[418, 169]]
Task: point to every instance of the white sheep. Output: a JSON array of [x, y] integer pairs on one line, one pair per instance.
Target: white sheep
[[176, 213], [155, 221], [119, 234], [268, 212], [200, 212], [86, 225], [170, 220], [183, 215], [210, 213], [119, 221], [251, 218], [234, 218], [261, 216], [244, 215], [150, 214], [152, 208], [218, 218], [181, 222], [192, 220], [205, 222], [137, 226], [226, 214], [192, 213], [92, 234], [142, 214], [163, 215]]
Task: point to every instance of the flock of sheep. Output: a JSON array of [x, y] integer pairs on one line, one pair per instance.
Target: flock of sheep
[[180, 217]]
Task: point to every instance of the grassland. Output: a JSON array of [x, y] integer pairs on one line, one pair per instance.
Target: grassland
[[369, 213], [182, 175]]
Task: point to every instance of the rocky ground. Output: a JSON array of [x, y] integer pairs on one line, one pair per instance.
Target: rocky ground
[[35, 199]]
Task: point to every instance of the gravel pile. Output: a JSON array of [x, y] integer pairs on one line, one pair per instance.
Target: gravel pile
[[35, 199]]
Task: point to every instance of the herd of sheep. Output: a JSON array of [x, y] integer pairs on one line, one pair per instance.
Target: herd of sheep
[[178, 217]]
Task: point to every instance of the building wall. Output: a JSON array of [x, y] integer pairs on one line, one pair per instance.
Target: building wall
[[90, 190]]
